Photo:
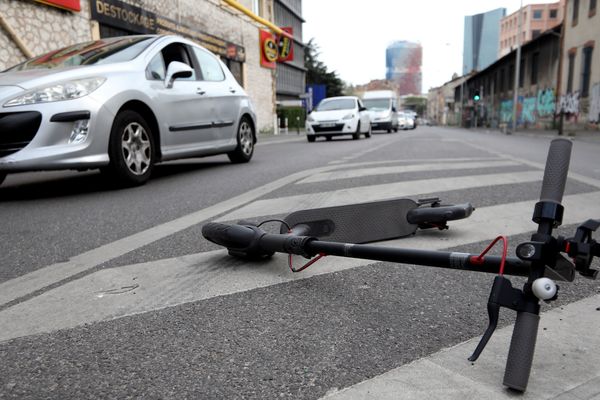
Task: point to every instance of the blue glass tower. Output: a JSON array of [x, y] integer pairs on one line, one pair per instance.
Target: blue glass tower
[[481, 40]]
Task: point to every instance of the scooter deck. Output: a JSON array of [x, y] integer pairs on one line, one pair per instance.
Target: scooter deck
[[357, 223]]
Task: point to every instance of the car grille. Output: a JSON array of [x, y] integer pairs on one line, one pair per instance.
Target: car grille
[[17, 129], [335, 128]]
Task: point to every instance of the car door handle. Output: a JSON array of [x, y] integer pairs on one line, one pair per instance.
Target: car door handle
[[232, 90], [200, 91]]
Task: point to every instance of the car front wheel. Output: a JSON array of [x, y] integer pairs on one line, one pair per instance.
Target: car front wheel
[[2, 177], [356, 135], [245, 143], [310, 138], [131, 149], [368, 134]]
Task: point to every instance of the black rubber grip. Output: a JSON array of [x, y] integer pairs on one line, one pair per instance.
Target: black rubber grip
[[230, 236], [439, 214], [520, 354], [557, 167]]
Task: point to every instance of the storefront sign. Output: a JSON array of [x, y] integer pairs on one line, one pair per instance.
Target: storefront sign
[[137, 20], [268, 49], [286, 45], [72, 5]]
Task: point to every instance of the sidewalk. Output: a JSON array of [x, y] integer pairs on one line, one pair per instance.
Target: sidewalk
[[566, 365], [578, 136]]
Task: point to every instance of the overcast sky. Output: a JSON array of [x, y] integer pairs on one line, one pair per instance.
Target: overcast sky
[[352, 35]]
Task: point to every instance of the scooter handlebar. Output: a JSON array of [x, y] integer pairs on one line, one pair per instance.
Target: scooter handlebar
[[555, 173]]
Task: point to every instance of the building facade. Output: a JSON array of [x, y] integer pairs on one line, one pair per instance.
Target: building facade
[[481, 38], [535, 19], [291, 75], [537, 87], [403, 62], [579, 94], [32, 28], [443, 106]]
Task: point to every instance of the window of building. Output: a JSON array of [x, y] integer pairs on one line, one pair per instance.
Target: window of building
[[209, 65], [236, 69], [592, 10], [575, 12], [534, 67], [537, 14], [570, 71], [257, 7], [535, 33], [586, 69], [553, 14]]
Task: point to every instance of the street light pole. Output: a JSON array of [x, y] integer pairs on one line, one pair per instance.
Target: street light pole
[[517, 70]]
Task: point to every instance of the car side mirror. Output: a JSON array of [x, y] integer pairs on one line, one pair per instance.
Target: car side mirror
[[362, 108], [394, 109], [177, 70]]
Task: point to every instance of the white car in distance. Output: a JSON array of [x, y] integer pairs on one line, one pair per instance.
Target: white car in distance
[[337, 116]]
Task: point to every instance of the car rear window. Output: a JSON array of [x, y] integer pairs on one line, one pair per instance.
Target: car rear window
[[103, 51]]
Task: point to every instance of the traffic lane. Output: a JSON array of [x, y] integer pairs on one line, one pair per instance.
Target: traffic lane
[[293, 340], [54, 220]]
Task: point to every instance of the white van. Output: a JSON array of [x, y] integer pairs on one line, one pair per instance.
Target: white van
[[382, 108]]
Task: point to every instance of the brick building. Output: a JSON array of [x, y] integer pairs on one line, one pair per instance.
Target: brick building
[[535, 19], [31, 28]]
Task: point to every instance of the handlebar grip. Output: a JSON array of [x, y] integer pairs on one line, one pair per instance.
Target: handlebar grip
[[230, 236], [520, 354], [557, 167]]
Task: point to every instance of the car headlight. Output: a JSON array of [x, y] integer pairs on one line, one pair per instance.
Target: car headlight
[[68, 90], [349, 116], [310, 118]]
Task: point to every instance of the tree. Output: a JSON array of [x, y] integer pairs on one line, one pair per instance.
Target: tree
[[317, 72]]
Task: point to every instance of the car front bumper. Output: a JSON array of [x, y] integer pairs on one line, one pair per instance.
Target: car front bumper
[[333, 128], [37, 137]]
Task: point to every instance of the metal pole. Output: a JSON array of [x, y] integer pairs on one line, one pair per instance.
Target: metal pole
[[460, 123], [517, 69]]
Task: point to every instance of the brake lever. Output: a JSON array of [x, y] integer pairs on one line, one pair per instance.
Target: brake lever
[[503, 294]]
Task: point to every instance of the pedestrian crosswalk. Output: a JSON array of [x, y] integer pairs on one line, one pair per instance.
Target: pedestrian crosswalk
[[109, 294]]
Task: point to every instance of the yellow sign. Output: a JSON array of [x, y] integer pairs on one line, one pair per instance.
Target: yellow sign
[[270, 49]]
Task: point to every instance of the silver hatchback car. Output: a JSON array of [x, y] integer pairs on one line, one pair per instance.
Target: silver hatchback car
[[122, 104]]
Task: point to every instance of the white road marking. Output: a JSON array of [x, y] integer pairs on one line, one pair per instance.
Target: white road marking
[[118, 292], [399, 169], [361, 194]]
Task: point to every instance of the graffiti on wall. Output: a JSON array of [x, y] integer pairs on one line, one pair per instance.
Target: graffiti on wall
[[527, 115], [546, 103], [594, 114], [530, 109], [506, 107], [568, 103]]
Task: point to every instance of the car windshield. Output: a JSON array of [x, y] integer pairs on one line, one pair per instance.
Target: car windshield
[[337, 104], [104, 51], [377, 104]]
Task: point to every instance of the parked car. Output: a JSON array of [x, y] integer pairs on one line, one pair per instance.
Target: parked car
[[122, 104], [381, 105], [336, 116]]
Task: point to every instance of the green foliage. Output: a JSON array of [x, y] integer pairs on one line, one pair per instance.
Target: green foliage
[[417, 104], [317, 72], [295, 116]]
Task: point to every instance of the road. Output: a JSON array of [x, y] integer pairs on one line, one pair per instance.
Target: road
[[109, 293]]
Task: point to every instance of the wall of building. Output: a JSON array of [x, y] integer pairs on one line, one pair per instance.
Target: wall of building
[[580, 110], [536, 102], [43, 28]]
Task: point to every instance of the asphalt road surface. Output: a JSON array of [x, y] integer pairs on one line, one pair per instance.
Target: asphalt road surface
[[108, 293]]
